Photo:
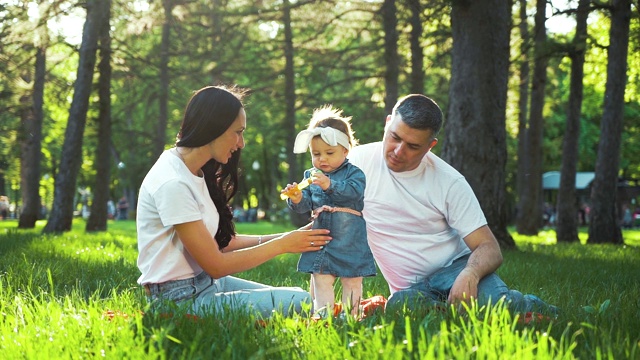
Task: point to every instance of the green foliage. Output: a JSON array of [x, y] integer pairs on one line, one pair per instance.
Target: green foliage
[[338, 59], [594, 82], [74, 295]]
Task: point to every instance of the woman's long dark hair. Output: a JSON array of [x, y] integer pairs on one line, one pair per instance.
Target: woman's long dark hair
[[208, 115]]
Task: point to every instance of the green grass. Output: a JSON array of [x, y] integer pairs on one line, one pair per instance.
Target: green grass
[[55, 292]]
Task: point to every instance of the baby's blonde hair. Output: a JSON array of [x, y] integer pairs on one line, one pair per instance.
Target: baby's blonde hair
[[328, 116]]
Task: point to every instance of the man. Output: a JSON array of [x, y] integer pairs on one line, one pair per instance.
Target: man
[[425, 226], [123, 207]]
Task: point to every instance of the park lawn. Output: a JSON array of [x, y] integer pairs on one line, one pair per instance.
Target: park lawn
[[74, 295]]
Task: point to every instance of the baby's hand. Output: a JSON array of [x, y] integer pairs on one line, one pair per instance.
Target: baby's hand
[[292, 192], [322, 180]]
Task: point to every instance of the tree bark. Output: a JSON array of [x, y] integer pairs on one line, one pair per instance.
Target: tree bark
[[61, 215], [476, 134], [604, 226], [417, 56], [98, 218], [391, 58], [217, 35], [290, 107], [32, 141], [523, 103], [567, 202], [529, 218], [163, 92]]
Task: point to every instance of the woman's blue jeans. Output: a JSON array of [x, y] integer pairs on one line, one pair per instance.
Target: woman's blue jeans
[[434, 290], [202, 295]]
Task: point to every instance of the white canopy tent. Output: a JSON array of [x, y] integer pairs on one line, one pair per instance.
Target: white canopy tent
[[551, 180]]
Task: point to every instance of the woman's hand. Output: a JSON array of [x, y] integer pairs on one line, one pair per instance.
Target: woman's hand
[[204, 249], [307, 227], [300, 240]]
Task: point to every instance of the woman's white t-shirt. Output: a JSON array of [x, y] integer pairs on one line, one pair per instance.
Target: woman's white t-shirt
[[170, 194], [416, 220]]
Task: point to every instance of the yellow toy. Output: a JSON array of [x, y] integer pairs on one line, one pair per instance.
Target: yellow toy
[[301, 185]]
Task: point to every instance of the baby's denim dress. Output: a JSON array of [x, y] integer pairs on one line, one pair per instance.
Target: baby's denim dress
[[348, 254]]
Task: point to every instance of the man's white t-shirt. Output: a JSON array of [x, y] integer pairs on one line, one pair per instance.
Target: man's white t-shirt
[[416, 220], [170, 194]]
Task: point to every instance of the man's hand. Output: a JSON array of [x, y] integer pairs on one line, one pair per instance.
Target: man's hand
[[485, 258], [464, 288]]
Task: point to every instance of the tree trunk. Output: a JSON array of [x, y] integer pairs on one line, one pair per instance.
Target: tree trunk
[[477, 107], [217, 34], [417, 56], [391, 58], [65, 185], [163, 95], [32, 142], [567, 203], [269, 178], [289, 93], [523, 103], [3, 182], [290, 107], [604, 226], [98, 218], [529, 218]]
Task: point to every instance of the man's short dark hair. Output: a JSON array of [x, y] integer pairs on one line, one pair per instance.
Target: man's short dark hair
[[419, 112]]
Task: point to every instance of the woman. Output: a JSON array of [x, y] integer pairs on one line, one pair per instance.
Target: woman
[[186, 237]]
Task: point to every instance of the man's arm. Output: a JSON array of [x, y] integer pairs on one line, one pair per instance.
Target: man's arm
[[485, 258]]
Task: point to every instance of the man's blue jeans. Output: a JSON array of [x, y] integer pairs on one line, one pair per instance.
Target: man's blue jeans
[[434, 290]]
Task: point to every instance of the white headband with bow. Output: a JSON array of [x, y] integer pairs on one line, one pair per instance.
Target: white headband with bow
[[329, 135]]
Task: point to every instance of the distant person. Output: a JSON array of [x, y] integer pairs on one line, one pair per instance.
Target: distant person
[[239, 214], [43, 211], [627, 218], [123, 208], [425, 225], [111, 210], [188, 246], [4, 207], [85, 211], [336, 198], [584, 212], [252, 215]]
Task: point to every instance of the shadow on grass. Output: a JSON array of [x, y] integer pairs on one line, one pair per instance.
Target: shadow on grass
[[12, 238], [72, 262], [578, 279]]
